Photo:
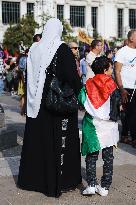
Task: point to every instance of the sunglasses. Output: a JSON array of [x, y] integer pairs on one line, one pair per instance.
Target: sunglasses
[[74, 48]]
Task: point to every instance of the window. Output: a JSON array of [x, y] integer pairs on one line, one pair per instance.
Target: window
[[30, 8], [120, 23], [10, 12], [94, 13], [60, 12], [132, 18], [77, 16]]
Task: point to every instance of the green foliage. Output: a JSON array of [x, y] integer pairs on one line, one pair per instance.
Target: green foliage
[[67, 31], [116, 42], [95, 34], [23, 31], [44, 18]]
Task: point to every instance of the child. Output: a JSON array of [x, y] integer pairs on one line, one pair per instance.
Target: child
[[99, 131]]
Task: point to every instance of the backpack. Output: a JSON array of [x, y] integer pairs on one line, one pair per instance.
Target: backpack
[[22, 63]]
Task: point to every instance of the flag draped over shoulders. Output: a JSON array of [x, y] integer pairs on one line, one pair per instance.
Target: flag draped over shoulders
[[95, 96], [99, 88]]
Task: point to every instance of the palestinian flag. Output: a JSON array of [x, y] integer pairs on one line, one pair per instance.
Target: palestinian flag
[[98, 131]]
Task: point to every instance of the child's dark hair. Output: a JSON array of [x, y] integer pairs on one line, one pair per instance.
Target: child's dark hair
[[100, 64]]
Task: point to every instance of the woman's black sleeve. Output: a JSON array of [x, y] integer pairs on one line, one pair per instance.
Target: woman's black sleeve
[[68, 69]]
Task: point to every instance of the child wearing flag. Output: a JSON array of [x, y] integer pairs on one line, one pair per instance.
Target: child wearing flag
[[99, 131]]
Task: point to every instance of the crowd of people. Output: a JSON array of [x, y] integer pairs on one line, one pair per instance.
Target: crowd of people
[[13, 68], [104, 83], [83, 66], [13, 72]]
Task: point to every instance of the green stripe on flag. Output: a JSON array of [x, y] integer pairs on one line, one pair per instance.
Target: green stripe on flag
[[82, 96], [90, 142]]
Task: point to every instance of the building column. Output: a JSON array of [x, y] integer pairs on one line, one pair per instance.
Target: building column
[[47, 7], [0, 12], [23, 8], [107, 20], [67, 12], [1, 29], [126, 21], [101, 20], [37, 13], [88, 16]]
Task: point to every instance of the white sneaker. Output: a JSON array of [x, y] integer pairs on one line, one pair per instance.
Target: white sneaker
[[102, 191], [89, 190]]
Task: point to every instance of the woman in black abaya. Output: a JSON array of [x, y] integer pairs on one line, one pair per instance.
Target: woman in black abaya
[[50, 160]]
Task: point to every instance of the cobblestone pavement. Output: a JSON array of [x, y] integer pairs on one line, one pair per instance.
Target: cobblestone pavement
[[122, 192]]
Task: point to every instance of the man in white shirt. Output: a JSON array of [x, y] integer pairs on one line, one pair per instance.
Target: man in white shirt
[[96, 49], [125, 73]]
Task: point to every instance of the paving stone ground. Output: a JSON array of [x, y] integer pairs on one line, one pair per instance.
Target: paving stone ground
[[122, 192]]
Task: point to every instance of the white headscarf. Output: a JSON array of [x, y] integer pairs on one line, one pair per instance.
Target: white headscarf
[[39, 58]]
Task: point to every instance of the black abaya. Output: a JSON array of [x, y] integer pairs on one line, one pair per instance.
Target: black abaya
[[50, 159]]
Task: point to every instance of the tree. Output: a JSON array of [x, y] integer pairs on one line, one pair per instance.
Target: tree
[[44, 18], [21, 32], [67, 32]]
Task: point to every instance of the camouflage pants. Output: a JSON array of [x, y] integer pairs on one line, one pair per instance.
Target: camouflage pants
[[107, 156]]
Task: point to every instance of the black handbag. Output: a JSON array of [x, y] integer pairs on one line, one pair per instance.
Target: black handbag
[[60, 97]]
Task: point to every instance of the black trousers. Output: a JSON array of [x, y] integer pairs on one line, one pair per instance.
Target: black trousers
[[125, 126], [106, 179], [131, 113]]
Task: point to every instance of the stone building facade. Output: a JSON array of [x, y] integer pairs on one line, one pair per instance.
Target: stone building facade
[[109, 18]]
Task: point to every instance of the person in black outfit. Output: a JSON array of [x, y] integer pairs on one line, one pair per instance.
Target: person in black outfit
[[50, 160]]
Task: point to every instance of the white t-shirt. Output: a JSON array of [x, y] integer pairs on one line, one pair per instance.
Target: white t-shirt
[[127, 57], [90, 58]]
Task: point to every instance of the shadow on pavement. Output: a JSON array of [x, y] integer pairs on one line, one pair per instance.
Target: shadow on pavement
[[127, 148], [12, 109], [11, 155], [19, 127], [83, 173]]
